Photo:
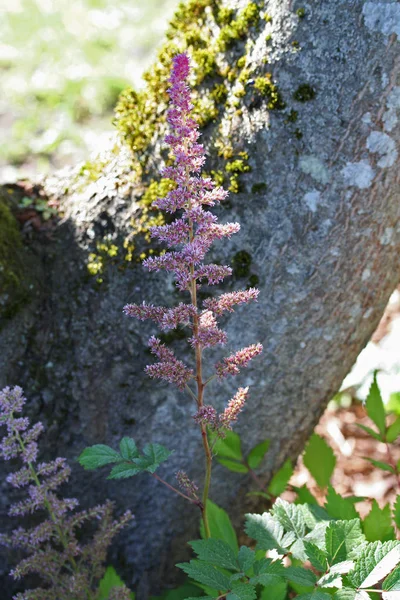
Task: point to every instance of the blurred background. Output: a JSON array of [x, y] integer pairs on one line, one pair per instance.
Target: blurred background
[[62, 66]]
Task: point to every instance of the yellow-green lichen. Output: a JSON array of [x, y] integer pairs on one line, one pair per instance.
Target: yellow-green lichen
[[267, 88], [238, 28], [301, 13]]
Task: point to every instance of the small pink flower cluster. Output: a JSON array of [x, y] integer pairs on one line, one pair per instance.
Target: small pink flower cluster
[[207, 414], [193, 233]]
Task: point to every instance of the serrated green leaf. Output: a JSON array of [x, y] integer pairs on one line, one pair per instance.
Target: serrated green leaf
[[396, 512], [374, 563], [124, 470], [291, 517], [380, 464], [98, 456], [216, 552], [300, 576], [246, 558], [392, 581], [268, 532], [316, 556], [110, 581], [281, 478], [347, 593], [377, 525], [242, 591], [341, 539], [371, 432], [317, 535], [128, 448], [257, 453], [315, 595], [232, 465], [338, 507], [275, 591], [330, 580], [314, 514], [220, 524], [319, 460], [393, 431], [206, 574], [155, 453], [375, 407], [304, 496], [229, 447]]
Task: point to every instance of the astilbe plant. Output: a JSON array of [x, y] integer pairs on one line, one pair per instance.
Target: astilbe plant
[[68, 568], [188, 238]]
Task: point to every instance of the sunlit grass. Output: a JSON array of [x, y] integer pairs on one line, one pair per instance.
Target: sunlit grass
[[62, 66]]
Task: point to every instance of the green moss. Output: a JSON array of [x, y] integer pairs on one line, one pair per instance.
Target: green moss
[[14, 288], [293, 116], [218, 177], [219, 93], [238, 28], [301, 13], [234, 184], [304, 93], [254, 280], [238, 166], [298, 134], [267, 18], [267, 88], [241, 263], [295, 44], [241, 62], [268, 38], [225, 16], [257, 188]]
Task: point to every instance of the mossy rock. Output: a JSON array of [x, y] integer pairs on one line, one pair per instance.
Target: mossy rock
[[14, 286]]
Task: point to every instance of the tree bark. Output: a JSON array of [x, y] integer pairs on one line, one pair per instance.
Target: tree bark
[[319, 212]]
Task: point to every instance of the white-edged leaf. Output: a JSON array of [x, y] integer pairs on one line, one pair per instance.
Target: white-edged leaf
[[374, 563], [268, 532], [291, 517]]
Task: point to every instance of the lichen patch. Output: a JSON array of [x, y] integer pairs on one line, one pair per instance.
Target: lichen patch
[[382, 144], [312, 199], [358, 174], [312, 165], [382, 17]]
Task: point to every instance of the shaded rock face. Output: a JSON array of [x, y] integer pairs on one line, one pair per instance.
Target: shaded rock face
[[319, 212]]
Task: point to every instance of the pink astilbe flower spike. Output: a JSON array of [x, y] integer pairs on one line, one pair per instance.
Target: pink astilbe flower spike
[[188, 239], [67, 568], [230, 365], [235, 406]]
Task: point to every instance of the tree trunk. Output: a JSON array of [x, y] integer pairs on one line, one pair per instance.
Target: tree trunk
[[299, 104]]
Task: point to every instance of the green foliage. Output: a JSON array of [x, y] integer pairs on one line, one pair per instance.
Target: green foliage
[[109, 582], [128, 462], [281, 478], [375, 408], [257, 454], [339, 507], [220, 524], [377, 525], [319, 460]]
